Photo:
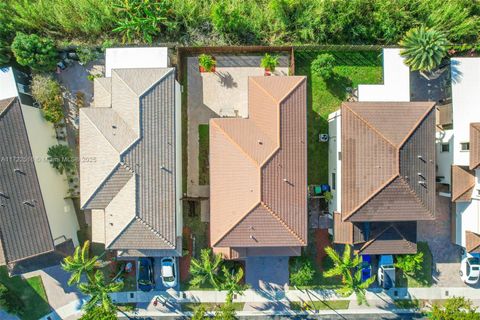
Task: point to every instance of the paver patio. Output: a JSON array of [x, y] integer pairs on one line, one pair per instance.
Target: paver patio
[[446, 255]]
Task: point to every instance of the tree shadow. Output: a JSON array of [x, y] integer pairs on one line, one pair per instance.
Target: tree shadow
[[338, 86]]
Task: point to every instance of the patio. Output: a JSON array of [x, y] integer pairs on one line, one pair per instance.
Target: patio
[[219, 94]]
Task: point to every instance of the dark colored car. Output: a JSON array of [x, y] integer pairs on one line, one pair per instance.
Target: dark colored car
[[146, 280]]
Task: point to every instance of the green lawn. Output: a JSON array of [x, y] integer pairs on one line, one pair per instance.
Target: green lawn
[[190, 306], [203, 148], [422, 278], [30, 291], [320, 305], [352, 68]]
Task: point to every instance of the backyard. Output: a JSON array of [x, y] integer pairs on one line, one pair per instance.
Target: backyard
[[351, 69], [30, 291]]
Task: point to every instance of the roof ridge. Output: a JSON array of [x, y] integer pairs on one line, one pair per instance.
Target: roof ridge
[[390, 226], [102, 183], [154, 232], [370, 126], [263, 89], [469, 189], [234, 142], [417, 124], [85, 112], [236, 223], [402, 180], [9, 104], [376, 192], [294, 87], [275, 215], [170, 70]]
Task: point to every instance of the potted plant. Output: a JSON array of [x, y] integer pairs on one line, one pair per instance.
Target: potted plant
[[206, 63], [269, 63]]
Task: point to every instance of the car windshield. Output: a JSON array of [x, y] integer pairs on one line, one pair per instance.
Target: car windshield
[[144, 282], [168, 279], [474, 261]]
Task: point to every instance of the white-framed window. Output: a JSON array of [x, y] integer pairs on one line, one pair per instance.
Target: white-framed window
[[464, 146], [445, 147]]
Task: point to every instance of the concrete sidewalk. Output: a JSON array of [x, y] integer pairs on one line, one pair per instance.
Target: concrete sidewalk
[[380, 302]]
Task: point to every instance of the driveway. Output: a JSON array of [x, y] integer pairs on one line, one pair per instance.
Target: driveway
[[267, 273], [446, 255], [158, 276], [54, 279]]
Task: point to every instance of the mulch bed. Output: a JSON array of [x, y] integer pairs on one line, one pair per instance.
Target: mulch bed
[[322, 240], [185, 260]]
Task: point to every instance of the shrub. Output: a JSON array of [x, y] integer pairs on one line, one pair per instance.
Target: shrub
[[301, 272], [61, 158], [454, 308], [36, 52], [423, 48], [5, 55], [269, 62], [52, 110], [10, 301], [410, 263], [323, 65], [207, 62], [142, 20], [86, 54], [44, 88]]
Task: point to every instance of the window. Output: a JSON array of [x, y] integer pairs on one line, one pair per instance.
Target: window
[[334, 182], [464, 146], [445, 147]]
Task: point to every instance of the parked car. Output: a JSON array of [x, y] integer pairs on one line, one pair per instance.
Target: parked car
[[146, 280], [386, 272], [169, 272], [470, 269], [366, 267]]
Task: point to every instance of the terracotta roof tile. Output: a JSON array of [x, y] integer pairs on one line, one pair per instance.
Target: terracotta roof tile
[[386, 148], [463, 182], [395, 238], [472, 242], [258, 168]]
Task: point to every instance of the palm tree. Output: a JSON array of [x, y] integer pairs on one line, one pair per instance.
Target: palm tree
[[199, 312], [206, 269], [61, 158], [355, 285], [231, 282], [79, 263], [342, 265], [423, 48], [99, 291], [349, 268]]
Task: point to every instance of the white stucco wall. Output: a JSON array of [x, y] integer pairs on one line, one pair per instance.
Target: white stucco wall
[[396, 80], [178, 154], [60, 211], [444, 159], [334, 162], [467, 219], [130, 58], [466, 109], [8, 86]]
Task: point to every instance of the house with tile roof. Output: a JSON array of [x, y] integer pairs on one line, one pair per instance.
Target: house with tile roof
[[382, 165], [130, 162], [463, 140], [258, 173], [38, 224]]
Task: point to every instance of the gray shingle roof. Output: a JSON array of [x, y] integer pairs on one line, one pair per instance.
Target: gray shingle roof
[[149, 157], [24, 227]]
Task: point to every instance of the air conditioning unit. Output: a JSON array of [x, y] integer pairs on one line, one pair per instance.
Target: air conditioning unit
[[323, 137]]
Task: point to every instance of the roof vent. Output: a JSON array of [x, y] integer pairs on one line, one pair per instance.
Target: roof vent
[[114, 126], [259, 141], [285, 180], [19, 171], [422, 183], [28, 203], [3, 195]]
